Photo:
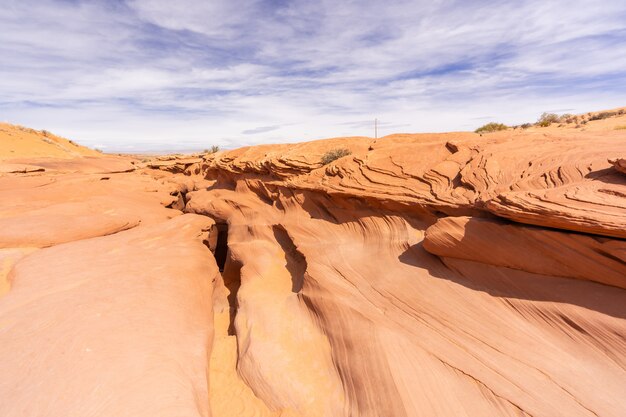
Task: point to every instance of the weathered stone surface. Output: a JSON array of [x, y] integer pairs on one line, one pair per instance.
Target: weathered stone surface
[[438, 275], [97, 327], [531, 249], [619, 164]]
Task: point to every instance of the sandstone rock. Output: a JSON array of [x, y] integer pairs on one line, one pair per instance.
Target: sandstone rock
[[20, 168], [437, 275], [97, 327], [530, 249], [22, 142], [619, 164]]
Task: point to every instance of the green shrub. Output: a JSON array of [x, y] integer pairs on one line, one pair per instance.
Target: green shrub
[[546, 119], [334, 154], [491, 127]]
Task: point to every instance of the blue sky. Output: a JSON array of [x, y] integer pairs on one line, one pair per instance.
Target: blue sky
[[145, 75]]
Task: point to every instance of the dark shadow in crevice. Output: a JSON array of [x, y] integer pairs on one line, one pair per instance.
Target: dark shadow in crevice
[[296, 262], [231, 273], [232, 281], [221, 247], [230, 268]]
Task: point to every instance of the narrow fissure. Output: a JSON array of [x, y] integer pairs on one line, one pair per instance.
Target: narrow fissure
[[221, 246], [229, 267]]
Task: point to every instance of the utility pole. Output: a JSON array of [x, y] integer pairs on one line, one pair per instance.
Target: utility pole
[[375, 128]]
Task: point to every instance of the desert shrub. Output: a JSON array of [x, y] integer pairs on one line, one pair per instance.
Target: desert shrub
[[603, 115], [334, 154], [213, 149], [491, 127], [567, 118], [546, 119], [27, 129], [526, 125], [99, 150], [622, 127]]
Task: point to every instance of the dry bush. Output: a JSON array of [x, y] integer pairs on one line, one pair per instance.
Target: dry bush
[[491, 127], [213, 149], [604, 115], [546, 119], [334, 154]]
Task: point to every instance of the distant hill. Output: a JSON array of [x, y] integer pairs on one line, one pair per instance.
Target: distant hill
[[22, 142]]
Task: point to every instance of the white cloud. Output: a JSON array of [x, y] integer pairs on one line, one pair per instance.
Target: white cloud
[[194, 73]]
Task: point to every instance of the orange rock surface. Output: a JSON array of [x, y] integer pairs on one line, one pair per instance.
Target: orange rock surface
[[420, 275]]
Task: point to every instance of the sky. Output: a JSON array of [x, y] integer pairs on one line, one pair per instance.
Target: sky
[[162, 75]]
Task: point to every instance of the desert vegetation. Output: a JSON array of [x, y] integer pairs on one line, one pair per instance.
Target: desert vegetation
[[491, 127], [606, 114], [334, 154], [212, 149], [546, 119]]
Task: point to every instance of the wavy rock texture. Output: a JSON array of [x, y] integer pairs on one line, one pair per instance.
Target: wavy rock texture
[[421, 275], [430, 304]]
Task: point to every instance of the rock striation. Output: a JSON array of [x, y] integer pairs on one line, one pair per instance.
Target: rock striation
[[438, 274]]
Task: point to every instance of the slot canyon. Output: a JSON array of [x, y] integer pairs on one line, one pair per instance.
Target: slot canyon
[[420, 275]]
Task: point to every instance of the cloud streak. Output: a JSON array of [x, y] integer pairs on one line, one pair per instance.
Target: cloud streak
[[262, 129], [177, 75]]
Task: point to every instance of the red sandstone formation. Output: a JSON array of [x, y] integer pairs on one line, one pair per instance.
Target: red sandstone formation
[[421, 275], [619, 163]]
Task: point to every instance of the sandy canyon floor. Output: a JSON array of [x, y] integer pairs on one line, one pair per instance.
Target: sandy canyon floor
[[421, 275]]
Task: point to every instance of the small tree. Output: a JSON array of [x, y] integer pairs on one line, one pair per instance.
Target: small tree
[[334, 154]]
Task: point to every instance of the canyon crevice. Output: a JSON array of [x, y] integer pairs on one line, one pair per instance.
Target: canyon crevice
[[434, 275]]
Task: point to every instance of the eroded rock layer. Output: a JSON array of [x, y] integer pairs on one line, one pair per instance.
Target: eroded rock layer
[[420, 275]]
